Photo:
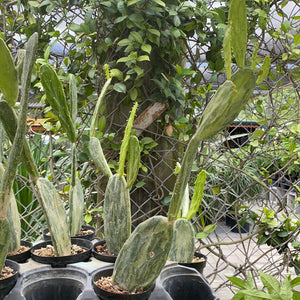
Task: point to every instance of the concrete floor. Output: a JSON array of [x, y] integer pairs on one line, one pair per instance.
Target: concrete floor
[[216, 270]]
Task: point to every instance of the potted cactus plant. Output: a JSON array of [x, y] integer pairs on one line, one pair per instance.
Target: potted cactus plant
[[50, 202], [10, 91], [146, 251], [183, 242], [55, 96], [117, 212]]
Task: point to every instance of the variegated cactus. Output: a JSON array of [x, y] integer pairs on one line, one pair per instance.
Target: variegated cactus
[[117, 212], [220, 112], [9, 88]]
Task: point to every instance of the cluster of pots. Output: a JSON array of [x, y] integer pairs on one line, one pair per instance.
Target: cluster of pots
[[62, 265]]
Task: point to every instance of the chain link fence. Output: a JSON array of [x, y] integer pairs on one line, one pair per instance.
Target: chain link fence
[[252, 188]]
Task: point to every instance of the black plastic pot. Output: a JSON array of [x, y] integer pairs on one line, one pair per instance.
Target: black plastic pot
[[236, 225], [62, 261], [24, 256], [101, 256], [90, 237], [184, 283], [105, 295], [7, 284], [199, 266]]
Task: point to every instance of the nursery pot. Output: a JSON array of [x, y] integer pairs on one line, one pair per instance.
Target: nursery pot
[[49, 284], [199, 266], [105, 295], [102, 256], [185, 283], [62, 261], [7, 284], [90, 237], [24, 256]]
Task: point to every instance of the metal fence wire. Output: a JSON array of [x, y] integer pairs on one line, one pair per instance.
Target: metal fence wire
[[252, 167]]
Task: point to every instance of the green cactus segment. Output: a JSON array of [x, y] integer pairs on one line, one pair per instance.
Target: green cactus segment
[[238, 19], [73, 98], [222, 109], [9, 120], [17, 145], [13, 219], [76, 207], [97, 108], [20, 62], [198, 195], [98, 157], [117, 214], [4, 237], [133, 160], [183, 242], [55, 215], [8, 75], [144, 254], [56, 97], [226, 104], [14, 225], [125, 142]]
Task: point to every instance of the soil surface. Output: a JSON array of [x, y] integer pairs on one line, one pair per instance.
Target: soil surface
[[198, 259], [105, 283], [22, 249], [6, 272], [102, 249], [49, 251], [82, 232]]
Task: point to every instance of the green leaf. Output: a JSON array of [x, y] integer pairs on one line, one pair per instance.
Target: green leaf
[[124, 42], [131, 2], [159, 2], [120, 87], [143, 58], [136, 36], [295, 282], [256, 294], [154, 31], [133, 94], [237, 281], [146, 48], [286, 291], [265, 68], [201, 235], [88, 218], [227, 51], [210, 228], [238, 19], [198, 194], [116, 73], [270, 282]]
